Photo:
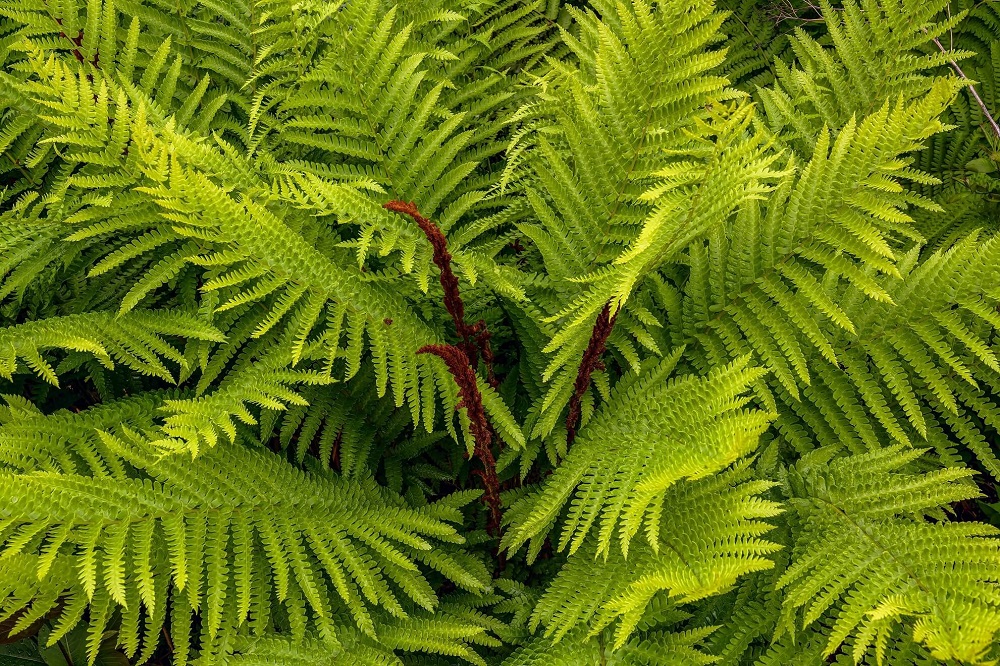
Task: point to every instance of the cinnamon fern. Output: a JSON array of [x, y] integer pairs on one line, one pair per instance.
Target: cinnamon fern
[[499, 332]]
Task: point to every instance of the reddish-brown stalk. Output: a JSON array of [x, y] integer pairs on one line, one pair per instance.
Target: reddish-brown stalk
[[77, 42], [470, 398], [461, 359], [475, 338], [591, 361]]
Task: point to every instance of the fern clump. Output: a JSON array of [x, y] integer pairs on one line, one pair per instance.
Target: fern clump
[[505, 332]]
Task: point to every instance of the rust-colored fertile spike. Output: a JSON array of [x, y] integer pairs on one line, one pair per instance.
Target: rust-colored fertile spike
[[442, 259], [470, 398], [462, 358], [77, 41], [591, 361], [475, 339]]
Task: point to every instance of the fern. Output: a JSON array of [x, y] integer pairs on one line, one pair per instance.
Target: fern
[[506, 332]]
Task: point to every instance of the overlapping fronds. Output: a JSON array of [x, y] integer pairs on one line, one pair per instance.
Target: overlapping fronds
[[872, 551], [656, 648], [228, 534], [624, 161], [875, 51], [136, 341], [649, 436], [709, 536], [313, 313]]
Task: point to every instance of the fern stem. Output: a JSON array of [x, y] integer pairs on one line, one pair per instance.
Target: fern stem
[[166, 637], [65, 653]]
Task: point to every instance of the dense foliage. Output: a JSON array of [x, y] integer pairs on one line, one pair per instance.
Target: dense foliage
[[507, 332]]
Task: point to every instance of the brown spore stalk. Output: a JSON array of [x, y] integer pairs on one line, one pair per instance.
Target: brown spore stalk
[[591, 361]]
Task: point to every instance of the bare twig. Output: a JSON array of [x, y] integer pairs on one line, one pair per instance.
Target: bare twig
[[972, 89]]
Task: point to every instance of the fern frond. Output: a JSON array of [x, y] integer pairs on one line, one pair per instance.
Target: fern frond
[[704, 535], [868, 557], [136, 341], [253, 532], [656, 648], [639, 445]]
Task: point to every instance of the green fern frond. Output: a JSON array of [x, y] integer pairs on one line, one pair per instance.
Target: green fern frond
[[704, 535], [314, 312], [251, 543], [642, 442], [135, 341], [868, 556], [656, 648]]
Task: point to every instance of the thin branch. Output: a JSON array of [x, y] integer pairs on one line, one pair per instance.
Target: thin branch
[[972, 89]]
